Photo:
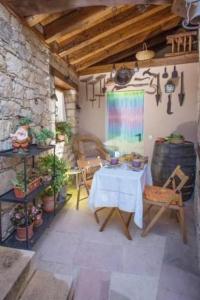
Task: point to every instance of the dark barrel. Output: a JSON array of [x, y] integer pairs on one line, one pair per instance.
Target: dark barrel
[[167, 156]]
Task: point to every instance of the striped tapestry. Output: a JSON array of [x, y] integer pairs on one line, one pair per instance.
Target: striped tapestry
[[125, 119]]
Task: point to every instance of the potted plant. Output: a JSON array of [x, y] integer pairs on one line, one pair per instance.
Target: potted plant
[[46, 166], [64, 131], [18, 186], [44, 137], [37, 214], [33, 181], [19, 221]]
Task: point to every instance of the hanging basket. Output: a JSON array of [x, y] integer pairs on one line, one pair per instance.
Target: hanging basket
[[145, 54]]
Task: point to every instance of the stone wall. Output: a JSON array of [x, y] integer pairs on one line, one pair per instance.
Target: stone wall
[[26, 87], [197, 190]]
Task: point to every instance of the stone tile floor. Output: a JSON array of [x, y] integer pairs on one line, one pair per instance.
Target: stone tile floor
[[108, 266]]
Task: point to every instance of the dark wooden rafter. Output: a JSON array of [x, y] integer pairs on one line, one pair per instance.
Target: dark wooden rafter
[[156, 62], [28, 8], [155, 15], [76, 22], [121, 17], [139, 37], [158, 40]]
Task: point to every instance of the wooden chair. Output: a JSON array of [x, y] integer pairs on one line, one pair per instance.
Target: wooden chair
[[88, 168], [167, 197]]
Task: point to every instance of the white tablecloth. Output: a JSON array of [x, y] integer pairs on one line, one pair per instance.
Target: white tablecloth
[[120, 187]]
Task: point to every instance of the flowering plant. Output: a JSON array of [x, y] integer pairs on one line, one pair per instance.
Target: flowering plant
[[19, 215]]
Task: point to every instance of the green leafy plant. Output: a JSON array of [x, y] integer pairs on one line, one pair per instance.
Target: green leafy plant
[[46, 167], [64, 128], [44, 136], [25, 121]]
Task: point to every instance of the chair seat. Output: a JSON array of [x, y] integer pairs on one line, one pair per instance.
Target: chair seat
[[160, 194]]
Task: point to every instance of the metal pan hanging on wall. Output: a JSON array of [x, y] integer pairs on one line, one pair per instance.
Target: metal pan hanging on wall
[[123, 76]]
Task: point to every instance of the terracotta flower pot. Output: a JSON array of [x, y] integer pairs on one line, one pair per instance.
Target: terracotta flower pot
[[21, 232], [19, 193], [38, 220], [60, 137], [48, 204]]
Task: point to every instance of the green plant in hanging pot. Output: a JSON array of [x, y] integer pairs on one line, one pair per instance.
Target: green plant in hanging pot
[[64, 131], [44, 137], [46, 167]]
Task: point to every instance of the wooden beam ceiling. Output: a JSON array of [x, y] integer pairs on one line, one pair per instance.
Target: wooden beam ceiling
[[138, 37], [156, 62], [28, 8], [87, 35], [142, 22], [120, 17], [72, 24], [153, 42]]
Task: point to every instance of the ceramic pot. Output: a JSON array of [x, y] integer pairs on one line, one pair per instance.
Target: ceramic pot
[[136, 163], [21, 232], [60, 137], [114, 161], [19, 193], [38, 220], [48, 204]]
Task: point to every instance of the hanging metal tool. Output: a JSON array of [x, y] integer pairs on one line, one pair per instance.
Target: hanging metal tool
[[181, 96], [86, 81], [92, 83], [165, 74], [169, 105], [158, 91], [148, 72], [99, 79], [174, 73], [104, 88]]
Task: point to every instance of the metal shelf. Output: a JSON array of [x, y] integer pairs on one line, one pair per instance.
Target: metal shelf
[[12, 242], [33, 150], [10, 196]]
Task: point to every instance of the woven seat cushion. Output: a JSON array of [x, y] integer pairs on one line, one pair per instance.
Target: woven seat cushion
[[160, 194]]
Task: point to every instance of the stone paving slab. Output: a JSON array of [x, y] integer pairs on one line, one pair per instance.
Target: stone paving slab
[[14, 267]]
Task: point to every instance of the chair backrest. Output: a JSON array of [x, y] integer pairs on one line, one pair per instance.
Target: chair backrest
[[176, 180], [89, 167]]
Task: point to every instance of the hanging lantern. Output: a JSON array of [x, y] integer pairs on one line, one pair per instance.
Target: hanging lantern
[[169, 87]]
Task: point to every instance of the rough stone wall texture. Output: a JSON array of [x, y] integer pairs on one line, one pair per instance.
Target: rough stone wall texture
[[25, 89], [197, 189]]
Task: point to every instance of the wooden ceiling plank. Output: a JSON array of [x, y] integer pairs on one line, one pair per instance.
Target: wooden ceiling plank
[[28, 8], [157, 40], [51, 18], [156, 62], [121, 18], [153, 30], [68, 26], [34, 20], [143, 21]]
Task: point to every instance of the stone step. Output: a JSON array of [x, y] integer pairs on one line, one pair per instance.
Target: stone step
[[15, 266], [46, 285]]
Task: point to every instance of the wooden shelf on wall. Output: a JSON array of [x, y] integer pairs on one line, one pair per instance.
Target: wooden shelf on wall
[[156, 62]]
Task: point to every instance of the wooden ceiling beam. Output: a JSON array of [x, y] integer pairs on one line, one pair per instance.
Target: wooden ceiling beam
[[145, 33], [143, 21], [156, 62], [130, 52], [28, 8], [32, 21], [122, 16], [76, 22]]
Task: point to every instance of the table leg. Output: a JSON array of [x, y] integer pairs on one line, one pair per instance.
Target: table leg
[[125, 226], [107, 219]]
